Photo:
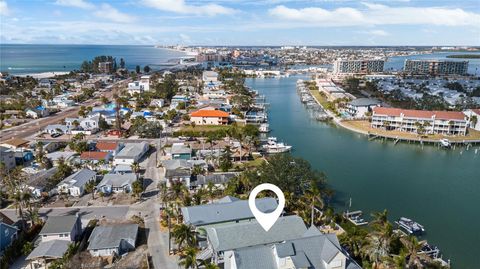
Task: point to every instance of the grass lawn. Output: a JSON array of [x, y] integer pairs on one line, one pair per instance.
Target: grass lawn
[[320, 98], [365, 127]]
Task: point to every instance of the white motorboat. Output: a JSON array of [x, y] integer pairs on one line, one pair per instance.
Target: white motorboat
[[445, 143], [273, 146], [264, 128], [410, 226]]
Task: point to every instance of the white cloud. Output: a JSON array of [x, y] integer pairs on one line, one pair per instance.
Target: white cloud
[[185, 38], [4, 11], [378, 33], [75, 3], [179, 6], [108, 12], [377, 14]]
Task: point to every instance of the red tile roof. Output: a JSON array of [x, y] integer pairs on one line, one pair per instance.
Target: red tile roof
[[104, 145], [423, 114], [93, 155], [210, 113]]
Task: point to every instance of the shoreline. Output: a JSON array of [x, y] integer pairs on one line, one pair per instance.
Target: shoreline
[[41, 75]]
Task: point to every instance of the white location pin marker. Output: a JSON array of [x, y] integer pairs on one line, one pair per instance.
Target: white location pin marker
[[266, 220]]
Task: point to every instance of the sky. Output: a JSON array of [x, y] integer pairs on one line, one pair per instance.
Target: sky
[[241, 22]]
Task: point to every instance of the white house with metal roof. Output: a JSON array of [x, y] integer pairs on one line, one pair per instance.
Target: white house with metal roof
[[116, 183], [131, 153], [74, 184]]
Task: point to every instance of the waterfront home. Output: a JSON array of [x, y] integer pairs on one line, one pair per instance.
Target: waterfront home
[[408, 120], [68, 228], [115, 183], [74, 184], [7, 157], [312, 250], [131, 153], [223, 239], [209, 117], [226, 210], [361, 107], [112, 240], [209, 76], [8, 232], [474, 118]]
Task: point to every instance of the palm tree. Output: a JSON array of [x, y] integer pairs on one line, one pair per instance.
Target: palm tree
[[135, 168], [208, 265], [211, 190], [312, 198], [90, 188], [413, 247], [184, 235], [474, 120], [189, 258], [354, 240]]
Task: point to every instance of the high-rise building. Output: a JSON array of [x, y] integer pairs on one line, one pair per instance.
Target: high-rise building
[[358, 66], [436, 67]]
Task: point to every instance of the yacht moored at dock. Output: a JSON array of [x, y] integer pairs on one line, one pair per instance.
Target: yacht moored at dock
[[445, 143], [273, 146], [264, 128], [410, 226]]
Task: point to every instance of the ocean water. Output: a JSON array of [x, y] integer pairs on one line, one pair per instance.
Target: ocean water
[[438, 188], [28, 59]]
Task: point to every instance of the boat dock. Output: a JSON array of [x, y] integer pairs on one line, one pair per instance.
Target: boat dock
[[315, 109], [355, 217], [422, 141]]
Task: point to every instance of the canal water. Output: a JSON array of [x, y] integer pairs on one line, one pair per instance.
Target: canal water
[[438, 188]]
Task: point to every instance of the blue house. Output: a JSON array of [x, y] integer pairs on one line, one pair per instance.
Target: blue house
[[8, 232], [22, 157]]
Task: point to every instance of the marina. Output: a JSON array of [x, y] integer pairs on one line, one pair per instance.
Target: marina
[[382, 176]]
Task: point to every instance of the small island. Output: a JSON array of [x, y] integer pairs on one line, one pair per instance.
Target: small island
[[464, 56]]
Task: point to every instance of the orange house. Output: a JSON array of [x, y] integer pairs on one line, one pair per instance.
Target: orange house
[[209, 117]]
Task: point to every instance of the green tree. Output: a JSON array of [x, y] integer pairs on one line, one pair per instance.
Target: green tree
[[137, 188], [188, 259], [184, 235], [146, 69], [226, 159], [137, 69]]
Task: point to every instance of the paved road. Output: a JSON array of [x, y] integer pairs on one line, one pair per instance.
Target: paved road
[[30, 128], [150, 209]]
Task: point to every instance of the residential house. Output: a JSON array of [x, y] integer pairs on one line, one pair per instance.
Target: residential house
[[8, 232], [115, 183], [37, 112], [23, 156], [56, 129], [7, 157], [56, 235], [177, 99], [312, 250], [180, 151], [227, 210], [111, 147], [209, 76], [113, 239], [361, 107], [131, 153], [159, 103], [46, 83], [474, 118], [96, 156], [37, 183], [15, 143], [122, 169], [74, 184], [209, 117], [68, 228], [218, 179], [223, 239]]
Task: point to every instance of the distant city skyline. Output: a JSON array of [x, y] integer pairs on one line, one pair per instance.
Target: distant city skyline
[[242, 23]]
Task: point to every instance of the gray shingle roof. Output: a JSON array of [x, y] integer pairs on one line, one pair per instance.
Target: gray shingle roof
[[50, 249], [132, 150], [111, 236], [225, 211], [245, 234], [59, 224], [117, 180], [79, 178], [255, 257]]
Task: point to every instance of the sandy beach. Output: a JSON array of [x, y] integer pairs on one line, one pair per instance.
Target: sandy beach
[[44, 74]]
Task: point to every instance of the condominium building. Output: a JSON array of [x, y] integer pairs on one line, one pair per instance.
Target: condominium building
[[408, 120], [364, 66], [436, 67]]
